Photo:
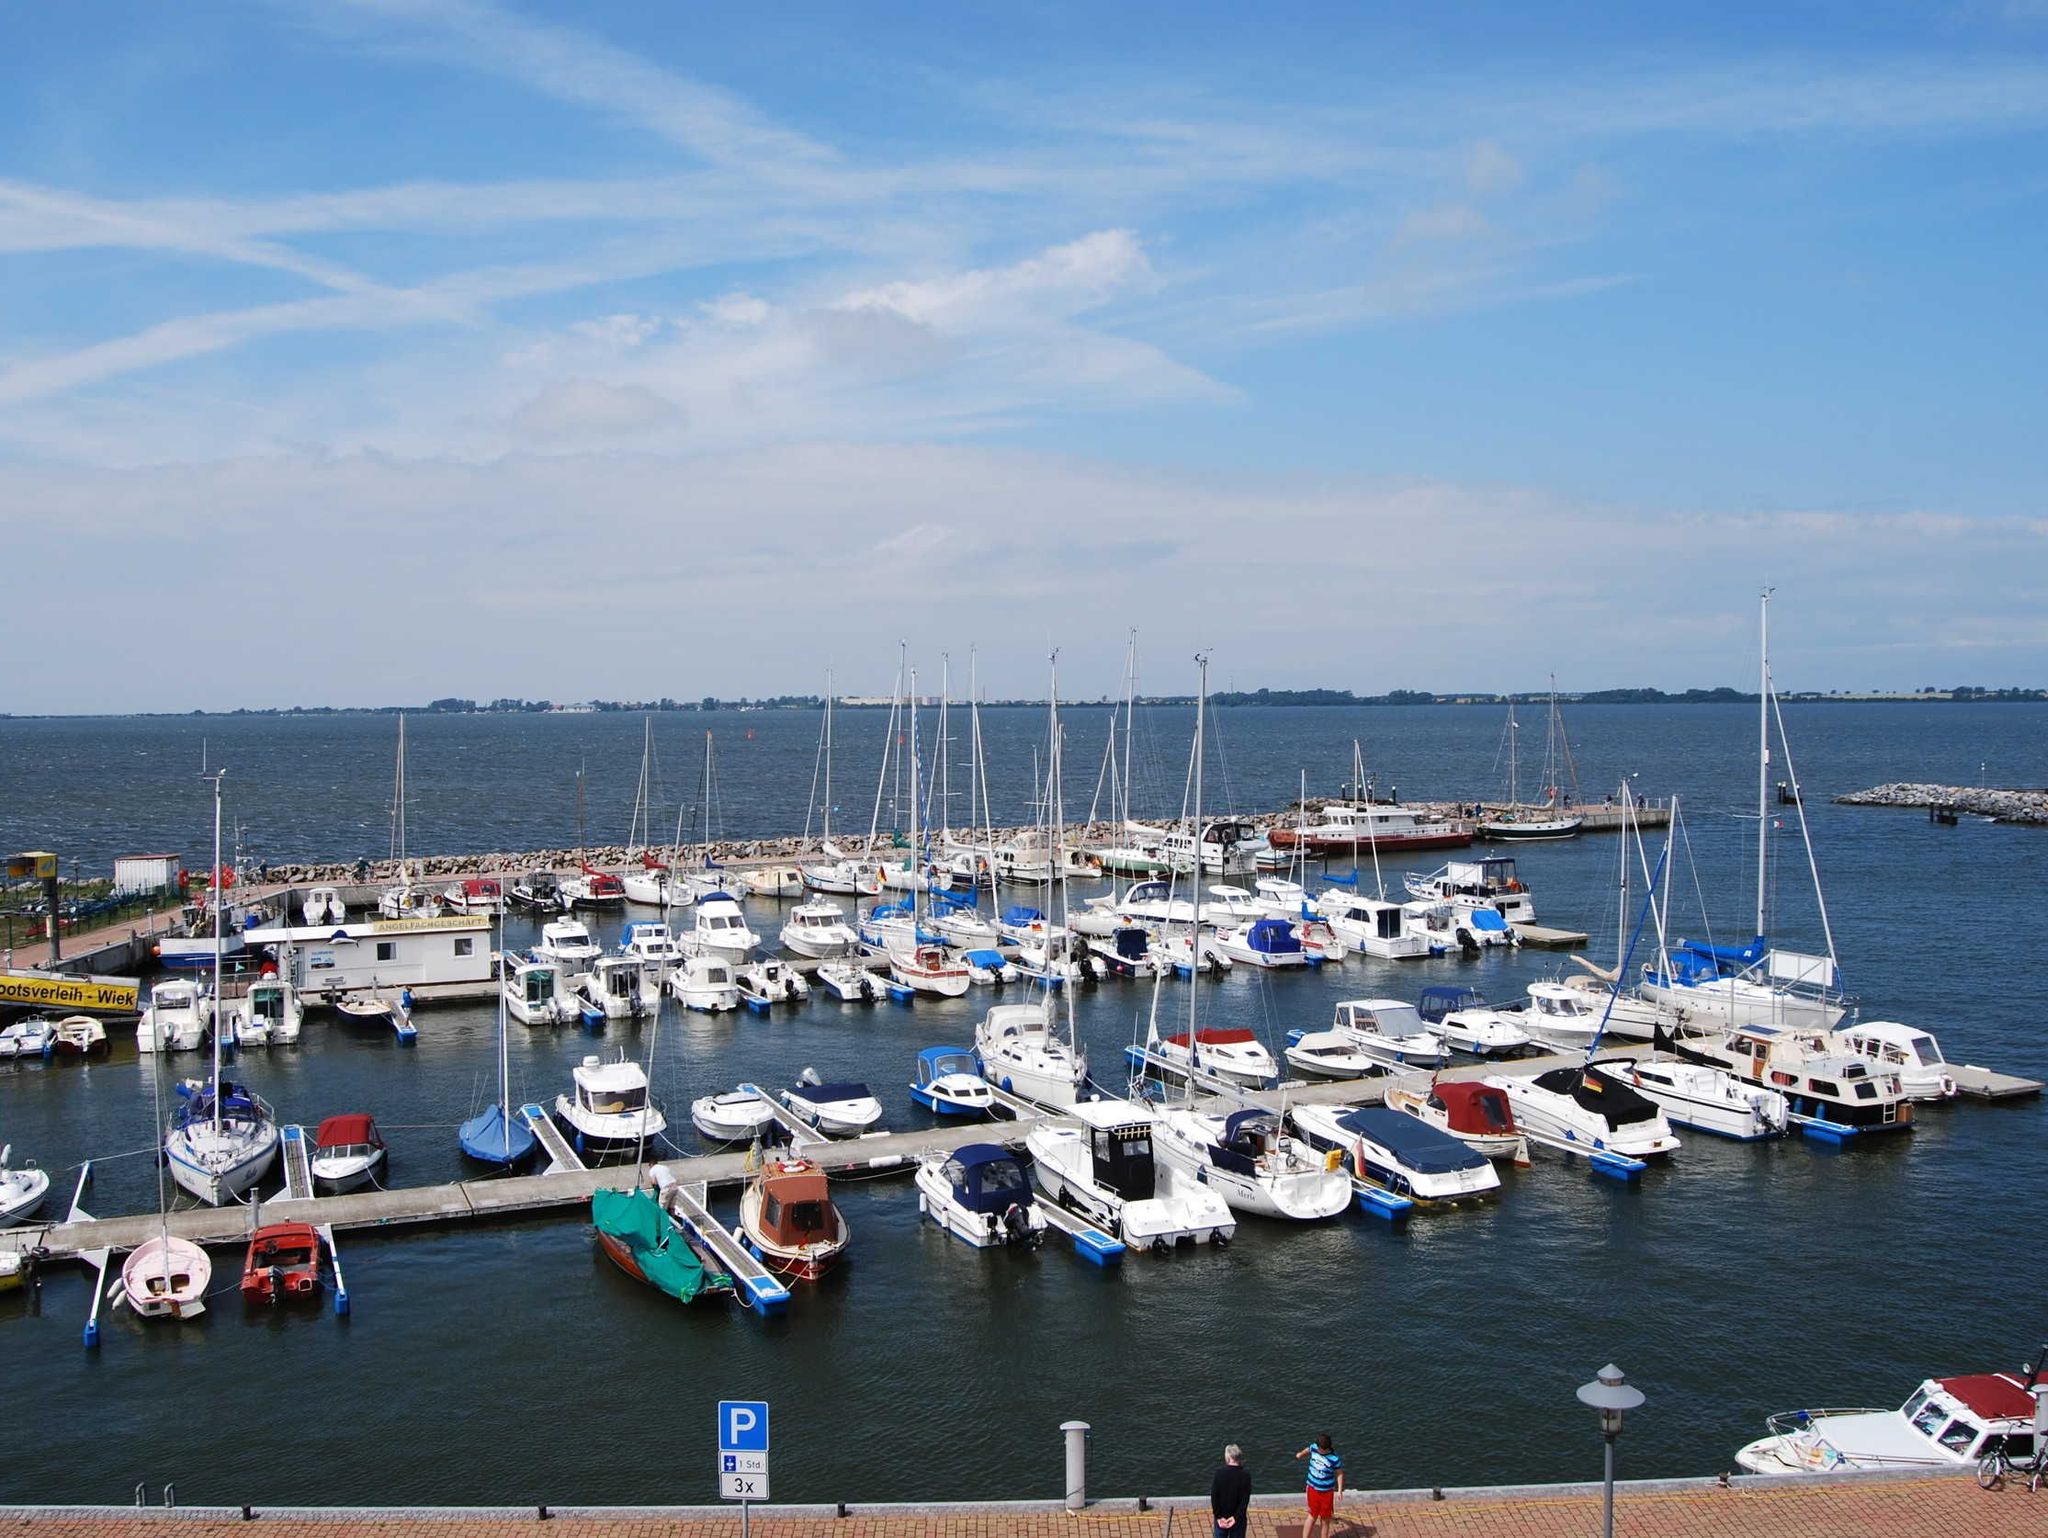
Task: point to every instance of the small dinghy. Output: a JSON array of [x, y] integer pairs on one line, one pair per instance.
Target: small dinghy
[[365, 1008], [283, 1264], [348, 1153], [21, 1190], [1382, 1148], [790, 1221], [979, 1193], [650, 1244], [1328, 1054], [845, 1109], [165, 1278], [736, 1116], [79, 1036], [850, 982], [771, 981], [947, 1084]]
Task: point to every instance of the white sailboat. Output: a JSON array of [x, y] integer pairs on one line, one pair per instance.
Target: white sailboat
[[921, 967], [653, 885], [407, 899]]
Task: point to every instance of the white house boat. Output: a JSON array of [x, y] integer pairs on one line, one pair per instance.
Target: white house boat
[[1815, 1077], [608, 1108], [1589, 1107], [1104, 1169], [818, 929], [1398, 1153], [720, 929], [1246, 1158], [1948, 1424], [980, 1193], [1346, 827], [705, 983], [1909, 1052], [383, 954]]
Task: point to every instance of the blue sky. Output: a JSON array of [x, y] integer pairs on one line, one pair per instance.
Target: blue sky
[[631, 349]]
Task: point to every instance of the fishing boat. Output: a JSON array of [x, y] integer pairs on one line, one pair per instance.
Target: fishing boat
[[1489, 883], [608, 1108], [1328, 1054], [165, 1277], [348, 1153], [1461, 1018], [617, 987], [1099, 1162], [1267, 942], [534, 994], [1946, 1425], [567, 943], [1346, 825], [818, 929], [22, 1188], [79, 1036], [539, 890], [705, 983], [493, 1136], [1390, 1032], [271, 1015], [174, 1020], [652, 1245], [1022, 1051], [771, 981], [947, 1083], [734, 1116], [1819, 1080], [720, 929], [1478, 1115], [980, 1193], [323, 905], [1702, 1097], [475, 894], [789, 1218], [848, 981], [33, 1037], [930, 969], [1590, 1107], [1384, 1149], [282, 1264], [1886, 1045], [845, 1109], [1247, 1158]]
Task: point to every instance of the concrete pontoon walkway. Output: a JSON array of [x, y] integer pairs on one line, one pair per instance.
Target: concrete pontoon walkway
[[1851, 1508]]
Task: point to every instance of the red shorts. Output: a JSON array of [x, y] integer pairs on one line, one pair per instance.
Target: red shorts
[[1321, 1503]]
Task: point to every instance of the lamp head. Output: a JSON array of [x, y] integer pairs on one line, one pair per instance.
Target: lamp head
[[1611, 1395]]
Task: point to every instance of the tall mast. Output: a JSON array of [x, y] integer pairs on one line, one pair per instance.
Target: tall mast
[[1763, 752], [1058, 814], [397, 804], [916, 850], [1514, 760], [828, 755], [504, 1055], [1195, 927], [1130, 717], [217, 776]]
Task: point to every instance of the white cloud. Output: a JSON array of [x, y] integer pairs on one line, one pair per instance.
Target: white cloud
[[1491, 169], [1441, 221]]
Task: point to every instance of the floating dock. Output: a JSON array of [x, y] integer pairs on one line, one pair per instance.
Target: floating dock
[[298, 1164], [561, 1157], [754, 1282], [1988, 1084]]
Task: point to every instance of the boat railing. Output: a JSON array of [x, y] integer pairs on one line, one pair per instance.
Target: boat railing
[[1802, 1427]]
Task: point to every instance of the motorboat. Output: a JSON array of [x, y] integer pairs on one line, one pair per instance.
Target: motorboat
[[1948, 1424], [930, 969], [789, 1219], [174, 1020], [652, 944], [1267, 942], [735, 1116], [1383, 1148], [1465, 1022], [1127, 951], [193, 951], [1186, 958], [22, 1188], [947, 1083], [1888, 1046], [282, 1264], [1389, 1031], [1371, 926], [475, 894], [1247, 1158], [1589, 1107], [771, 981], [1478, 1115], [589, 887], [705, 983], [979, 1192], [1819, 1080], [990, 968], [79, 1036], [34, 1037], [1022, 1051], [407, 900], [1439, 927], [1223, 1052], [165, 1277], [845, 1109], [1487, 882], [1229, 846], [540, 890], [535, 996], [848, 981], [1098, 1162], [222, 1141], [642, 1237], [1703, 1097], [818, 929], [720, 929], [1562, 1015], [608, 1107], [271, 1015], [348, 1153], [1319, 942], [616, 987], [773, 881], [366, 1007], [1347, 827], [567, 943], [322, 905], [1329, 1054]]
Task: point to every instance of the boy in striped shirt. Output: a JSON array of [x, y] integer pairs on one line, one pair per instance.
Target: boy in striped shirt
[[1325, 1483]]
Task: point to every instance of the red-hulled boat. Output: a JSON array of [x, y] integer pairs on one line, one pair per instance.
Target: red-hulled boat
[[283, 1265], [790, 1221]]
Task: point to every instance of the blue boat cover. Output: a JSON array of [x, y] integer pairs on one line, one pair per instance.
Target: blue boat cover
[[1438, 1002], [1022, 916], [993, 960], [1275, 937], [889, 911], [987, 1178], [930, 1059], [490, 1139], [1247, 1120], [952, 904], [1488, 919], [825, 1094], [1693, 961], [1349, 879], [1416, 1144]]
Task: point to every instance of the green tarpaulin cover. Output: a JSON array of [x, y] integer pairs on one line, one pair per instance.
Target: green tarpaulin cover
[[655, 1241]]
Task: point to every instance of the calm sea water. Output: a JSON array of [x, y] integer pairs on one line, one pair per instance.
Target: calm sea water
[[513, 1364]]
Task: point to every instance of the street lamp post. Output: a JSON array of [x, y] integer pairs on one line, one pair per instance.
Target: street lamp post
[[1610, 1394]]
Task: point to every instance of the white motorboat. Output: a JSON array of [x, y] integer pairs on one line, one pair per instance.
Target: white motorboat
[[1947, 1425], [1227, 904], [1706, 1098], [222, 1140], [22, 1189], [368, 1008], [773, 881], [1268, 942], [1890, 1047], [1818, 1079], [929, 969], [1589, 1107], [1247, 1159], [1022, 1051], [1371, 925], [1465, 1022], [617, 987], [979, 1192], [34, 1037], [844, 1109], [348, 1153], [79, 1036], [1489, 882], [568, 944], [272, 1015], [534, 994], [1383, 1148], [734, 1116], [653, 945], [1562, 1015], [771, 981], [1127, 951], [1282, 898], [706, 983], [475, 894], [165, 1277], [720, 929], [1105, 1170], [818, 929], [1329, 1054], [323, 905], [849, 982], [1389, 1031], [1224, 1052], [1478, 1115], [947, 1083], [608, 1107], [175, 1020]]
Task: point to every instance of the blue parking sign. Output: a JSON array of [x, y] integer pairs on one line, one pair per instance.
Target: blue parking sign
[[743, 1425]]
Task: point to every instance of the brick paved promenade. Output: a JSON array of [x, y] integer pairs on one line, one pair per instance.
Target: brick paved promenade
[[1913, 1508]]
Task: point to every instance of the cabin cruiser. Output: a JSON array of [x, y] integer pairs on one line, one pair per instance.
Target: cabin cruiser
[[476, 894], [1890, 1047], [771, 981], [608, 1107], [540, 890], [617, 987], [721, 929], [789, 1220], [1747, 985], [1390, 1031], [1948, 1424], [1230, 846], [1222, 1052], [589, 887], [1329, 1054], [34, 1037], [818, 929], [566, 942], [1247, 1159], [1709, 1099], [193, 951], [652, 945], [1590, 1107], [929, 969], [1563, 1016], [222, 1141], [1225, 903], [947, 1083], [1268, 942], [22, 1189], [980, 1193], [1104, 1170], [1371, 926], [1281, 898], [1462, 1019], [176, 1019], [1394, 1152], [1487, 882], [534, 994], [736, 1116], [272, 1015], [1346, 827], [1817, 1078], [1126, 951], [706, 983], [838, 1110], [348, 1153], [1021, 1051], [323, 905], [1477, 1114]]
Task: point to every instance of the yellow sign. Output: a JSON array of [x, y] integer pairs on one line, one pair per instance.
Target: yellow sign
[[36, 865], [67, 993], [407, 926]]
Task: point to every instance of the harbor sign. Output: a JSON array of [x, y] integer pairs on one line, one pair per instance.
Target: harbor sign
[[41, 991], [743, 1449]]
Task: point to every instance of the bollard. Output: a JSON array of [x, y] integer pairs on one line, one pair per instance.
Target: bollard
[[1077, 1463]]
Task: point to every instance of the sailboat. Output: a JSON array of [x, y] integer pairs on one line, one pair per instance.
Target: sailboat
[[1372, 926], [1552, 818], [919, 965], [491, 1136], [223, 1139], [405, 900], [839, 872], [654, 882]]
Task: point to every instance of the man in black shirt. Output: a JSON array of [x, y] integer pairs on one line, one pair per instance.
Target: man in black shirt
[[1230, 1494]]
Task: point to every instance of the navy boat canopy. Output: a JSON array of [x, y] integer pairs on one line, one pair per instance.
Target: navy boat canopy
[[987, 1178], [991, 960], [1275, 937], [952, 903], [1438, 1002], [1419, 1146], [824, 1094]]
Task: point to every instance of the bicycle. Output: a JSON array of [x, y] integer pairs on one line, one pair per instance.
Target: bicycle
[[1998, 1465]]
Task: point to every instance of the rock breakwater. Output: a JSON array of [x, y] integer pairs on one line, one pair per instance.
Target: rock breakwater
[[2029, 807]]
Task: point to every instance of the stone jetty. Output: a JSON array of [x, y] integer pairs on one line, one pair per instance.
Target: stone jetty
[[2029, 807]]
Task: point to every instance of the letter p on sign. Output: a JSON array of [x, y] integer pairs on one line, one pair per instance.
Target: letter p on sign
[[743, 1425]]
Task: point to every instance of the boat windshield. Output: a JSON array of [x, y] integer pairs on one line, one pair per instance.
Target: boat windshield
[[1929, 1052], [614, 1102], [953, 1062]]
